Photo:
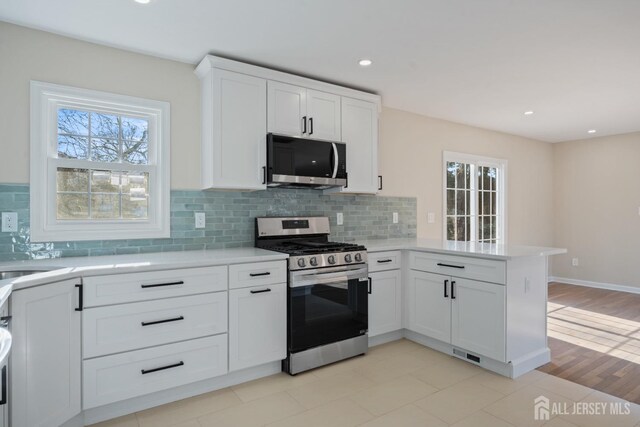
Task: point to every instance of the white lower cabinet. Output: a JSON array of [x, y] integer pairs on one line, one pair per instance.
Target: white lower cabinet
[[46, 355], [385, 302], [478, 318], [123, 376], [428, 310], [257, 325]]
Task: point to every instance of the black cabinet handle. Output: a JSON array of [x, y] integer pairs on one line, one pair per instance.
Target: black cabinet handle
[[264, 174], [3, 401], [260, 291], [266, 273], [449, 265], [446, 283], [157, 322], [150, 371], [80, 298], [157, 285], [453, 289], [310, 125], [304, 124], [370, 285], [379, 182], [384, 261]]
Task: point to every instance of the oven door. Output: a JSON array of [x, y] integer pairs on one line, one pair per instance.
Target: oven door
[[327, 305]]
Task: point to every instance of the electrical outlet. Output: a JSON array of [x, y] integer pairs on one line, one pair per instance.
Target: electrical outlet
[[339, 218], [431, 218], [395, 217], [575, 262], [200, 220], [9, 222]]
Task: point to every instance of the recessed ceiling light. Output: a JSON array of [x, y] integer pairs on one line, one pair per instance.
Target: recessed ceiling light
[[365, 62], [528, 113], [591, 131], [142, 1]]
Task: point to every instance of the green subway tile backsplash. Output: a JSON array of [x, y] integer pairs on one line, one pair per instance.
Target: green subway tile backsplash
[[230, 221]]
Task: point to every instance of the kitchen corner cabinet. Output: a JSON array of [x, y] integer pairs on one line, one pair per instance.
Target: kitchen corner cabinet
[[234, 110], [428, 309], [257, 325], [301, 112], [385, 305], [46, 355]]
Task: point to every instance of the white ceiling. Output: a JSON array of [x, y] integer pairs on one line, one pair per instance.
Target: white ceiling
[[576, 63]]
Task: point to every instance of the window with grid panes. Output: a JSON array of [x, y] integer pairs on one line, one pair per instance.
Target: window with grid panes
[[474, 198], [101, 163]]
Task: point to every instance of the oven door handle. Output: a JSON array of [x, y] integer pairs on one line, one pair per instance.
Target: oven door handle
[[322, 278]]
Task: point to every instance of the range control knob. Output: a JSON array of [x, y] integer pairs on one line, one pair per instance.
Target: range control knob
[[313, 261], [331, 259], [358, 257], [347, 258], [301, 262]]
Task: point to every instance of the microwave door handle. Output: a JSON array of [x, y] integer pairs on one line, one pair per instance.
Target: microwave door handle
[[336, 160]]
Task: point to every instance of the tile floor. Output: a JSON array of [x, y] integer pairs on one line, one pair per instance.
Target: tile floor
[[397, 384]]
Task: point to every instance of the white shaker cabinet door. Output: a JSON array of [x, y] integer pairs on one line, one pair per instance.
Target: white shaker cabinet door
[[257, 325], [428, 306], [46, 359], [323, 111], [478, 317], [287, 109], [385, 305]]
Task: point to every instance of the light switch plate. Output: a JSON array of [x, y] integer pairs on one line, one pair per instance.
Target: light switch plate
[[431, 218], [9, 222], [395, 217], [200, 220], [339, 218]]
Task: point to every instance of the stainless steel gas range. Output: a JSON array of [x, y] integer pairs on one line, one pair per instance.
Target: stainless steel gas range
[[327, 295]]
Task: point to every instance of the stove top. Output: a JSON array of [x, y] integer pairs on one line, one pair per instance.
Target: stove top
[[311, 248]]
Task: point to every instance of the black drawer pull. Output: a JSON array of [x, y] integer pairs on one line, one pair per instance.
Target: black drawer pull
[[370, 290], [150, 371], [157, 322], [384, 261], [260, 291], [449, 265], [80, 298], [157, 285], [267, 273], [453, 289]]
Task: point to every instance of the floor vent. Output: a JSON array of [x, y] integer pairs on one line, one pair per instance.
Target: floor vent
[[464, 355]]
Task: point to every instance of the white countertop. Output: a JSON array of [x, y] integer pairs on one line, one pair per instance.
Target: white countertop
[[68, 268], [471, 249]]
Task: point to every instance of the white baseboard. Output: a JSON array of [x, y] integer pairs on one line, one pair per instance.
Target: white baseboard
[[599, 285]]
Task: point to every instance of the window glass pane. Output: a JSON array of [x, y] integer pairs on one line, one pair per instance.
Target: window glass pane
[[105, 181], [460, 175], [135, 129], [451, 175], [135, 152], [72, 180], [460, 208], [460, 228], [451, 202], [484, 176], [72, 206], [467, 176], [135, 183], [73, 121], [486, 227], [494, 222], [486, 203], [480, 205], [493, 177], [134, 206], [105, 206], [493, 203], [451, 228], [105, 150], [105, 125], [72, 147]]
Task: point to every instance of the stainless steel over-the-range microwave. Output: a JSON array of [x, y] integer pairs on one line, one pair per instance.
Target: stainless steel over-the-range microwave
[[303, 162]]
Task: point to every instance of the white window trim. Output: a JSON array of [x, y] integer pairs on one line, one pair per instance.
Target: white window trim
[[452, 156], [45, 227]]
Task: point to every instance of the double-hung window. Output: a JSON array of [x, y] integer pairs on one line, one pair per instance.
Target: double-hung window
[[99, 165], [474, 198]]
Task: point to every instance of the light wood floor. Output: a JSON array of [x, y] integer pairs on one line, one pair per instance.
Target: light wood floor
[[594, 336]]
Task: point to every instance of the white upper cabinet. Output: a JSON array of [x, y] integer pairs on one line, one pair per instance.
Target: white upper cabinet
[[360, 134], [301, 112], [323, 111], [234, 129], [287, 109]]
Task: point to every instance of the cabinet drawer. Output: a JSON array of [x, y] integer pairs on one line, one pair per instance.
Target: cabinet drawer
[[123, 376], [114, 329], [380, 261], [257, 274], [472, 268], [121, 288]]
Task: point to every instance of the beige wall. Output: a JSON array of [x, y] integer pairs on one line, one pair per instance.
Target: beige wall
[[410, 161], [597, 197], [27, 55]]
